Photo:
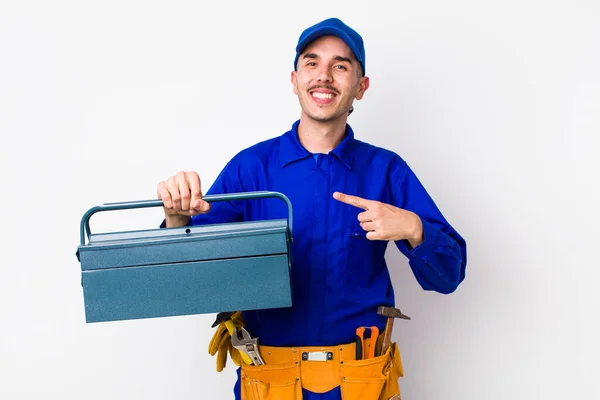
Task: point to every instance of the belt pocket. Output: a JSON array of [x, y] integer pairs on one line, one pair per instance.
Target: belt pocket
[[271, 382], [373, 378], [393, 372], [363, 379]]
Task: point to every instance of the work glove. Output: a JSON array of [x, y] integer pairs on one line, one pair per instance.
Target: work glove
[[220, 344]]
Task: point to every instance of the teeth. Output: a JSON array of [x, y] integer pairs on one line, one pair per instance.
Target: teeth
[[323, 96]]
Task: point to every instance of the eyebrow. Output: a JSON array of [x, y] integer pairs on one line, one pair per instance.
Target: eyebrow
[[338, 58]]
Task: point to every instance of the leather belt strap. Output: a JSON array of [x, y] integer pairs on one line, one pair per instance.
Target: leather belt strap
[[284, 355], [319, 366], [319, 369]]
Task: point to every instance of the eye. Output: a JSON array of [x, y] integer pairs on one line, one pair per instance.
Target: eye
[[311, 64], [340, 67]]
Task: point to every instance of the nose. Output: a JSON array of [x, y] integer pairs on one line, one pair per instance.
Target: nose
[[324, 74]]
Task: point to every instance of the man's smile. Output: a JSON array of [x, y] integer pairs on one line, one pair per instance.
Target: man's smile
[[323, 96]]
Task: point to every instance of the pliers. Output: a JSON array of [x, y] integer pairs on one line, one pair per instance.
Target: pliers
[[364, 349]]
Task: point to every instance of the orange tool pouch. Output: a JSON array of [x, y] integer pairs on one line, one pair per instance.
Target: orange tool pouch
[[285, 373]]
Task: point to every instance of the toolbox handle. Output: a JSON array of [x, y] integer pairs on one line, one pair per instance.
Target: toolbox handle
[[127, 205]]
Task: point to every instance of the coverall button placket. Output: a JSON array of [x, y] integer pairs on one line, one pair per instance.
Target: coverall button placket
[[320, 243]]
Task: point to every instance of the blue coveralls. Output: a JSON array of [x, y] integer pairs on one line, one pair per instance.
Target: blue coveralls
[[339, 277]]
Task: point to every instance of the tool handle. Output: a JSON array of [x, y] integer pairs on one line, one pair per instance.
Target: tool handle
[[387, 335], [359, 347], [128, 205], [373, 341], [378, 346], [231, 329]]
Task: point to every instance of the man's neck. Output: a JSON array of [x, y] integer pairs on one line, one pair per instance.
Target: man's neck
[[321, 137]]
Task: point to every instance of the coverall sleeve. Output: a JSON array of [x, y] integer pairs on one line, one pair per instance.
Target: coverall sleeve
[[439, 263]]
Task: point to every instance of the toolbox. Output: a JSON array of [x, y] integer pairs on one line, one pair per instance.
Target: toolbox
[[186, 270]]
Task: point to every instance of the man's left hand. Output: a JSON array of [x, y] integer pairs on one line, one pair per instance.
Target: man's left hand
[[384, 221]]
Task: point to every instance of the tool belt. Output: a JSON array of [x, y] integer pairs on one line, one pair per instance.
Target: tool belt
[[287, 370]]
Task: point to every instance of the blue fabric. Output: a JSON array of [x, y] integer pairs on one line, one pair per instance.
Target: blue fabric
[[339, 277], [333, 27]]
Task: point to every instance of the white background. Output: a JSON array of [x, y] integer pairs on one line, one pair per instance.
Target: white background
[[495, 105]]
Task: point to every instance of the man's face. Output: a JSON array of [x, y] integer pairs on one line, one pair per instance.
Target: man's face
[[328, 79]]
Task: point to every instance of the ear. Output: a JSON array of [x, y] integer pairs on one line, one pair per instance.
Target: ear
[[294, 82], [363, 84]]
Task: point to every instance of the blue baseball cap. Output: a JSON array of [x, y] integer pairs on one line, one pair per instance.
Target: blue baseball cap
[[333, 27]]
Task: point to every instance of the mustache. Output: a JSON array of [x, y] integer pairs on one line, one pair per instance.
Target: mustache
[[324, 87]]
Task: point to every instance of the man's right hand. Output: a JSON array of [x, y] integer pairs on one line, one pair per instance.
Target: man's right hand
[[182, 198]]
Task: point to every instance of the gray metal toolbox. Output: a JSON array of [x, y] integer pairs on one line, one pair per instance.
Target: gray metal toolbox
[[187, 270]]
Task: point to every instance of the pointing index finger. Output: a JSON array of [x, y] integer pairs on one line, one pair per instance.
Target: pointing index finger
[[352, 200]]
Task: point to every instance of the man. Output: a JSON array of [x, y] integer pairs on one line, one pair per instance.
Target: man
[[349, 200]]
